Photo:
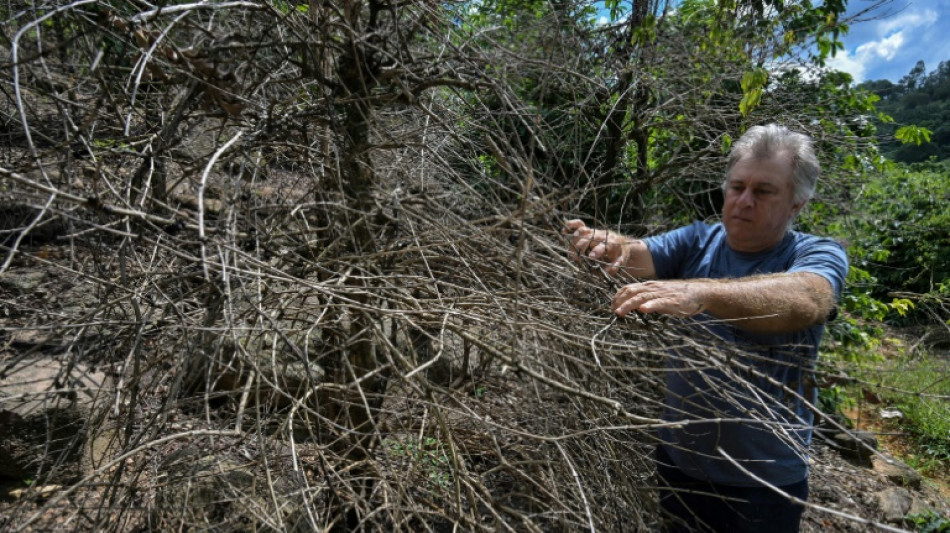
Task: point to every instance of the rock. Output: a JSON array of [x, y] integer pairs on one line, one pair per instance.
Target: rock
[[32, 385], [920, 507], [41, 491], [830, 422], [897, 472], [44, 446], [23, 282], [35, 339], [887, 414], [212, 206], [895, 503], [44, 410], [857, 446]]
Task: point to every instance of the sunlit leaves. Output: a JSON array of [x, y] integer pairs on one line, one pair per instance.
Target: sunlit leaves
[[616, 9], [913, 134], [646, 32], [753, 83], [726, 143]]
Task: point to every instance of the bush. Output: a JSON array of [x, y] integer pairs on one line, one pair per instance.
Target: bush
[[902, 235]]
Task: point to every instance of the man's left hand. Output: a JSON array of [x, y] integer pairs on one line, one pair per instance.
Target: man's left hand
[[679, 298]]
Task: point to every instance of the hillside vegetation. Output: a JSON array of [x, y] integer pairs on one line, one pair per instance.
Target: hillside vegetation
[[278, 266], [919, 98]]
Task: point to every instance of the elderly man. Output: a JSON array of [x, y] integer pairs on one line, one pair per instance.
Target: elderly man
[[756, 284]]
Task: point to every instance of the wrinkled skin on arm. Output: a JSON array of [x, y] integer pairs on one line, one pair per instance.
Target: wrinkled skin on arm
[[776, 303]]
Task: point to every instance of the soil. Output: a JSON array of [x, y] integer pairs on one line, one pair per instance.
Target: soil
[[840, 485]]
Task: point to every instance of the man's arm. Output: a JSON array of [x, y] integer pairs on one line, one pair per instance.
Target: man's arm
[[776, 303], [614, 252]]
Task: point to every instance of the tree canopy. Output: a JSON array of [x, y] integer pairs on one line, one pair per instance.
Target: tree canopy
[[919, 98]]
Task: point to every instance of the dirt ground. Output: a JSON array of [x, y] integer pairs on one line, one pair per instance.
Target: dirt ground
[[840, 485]]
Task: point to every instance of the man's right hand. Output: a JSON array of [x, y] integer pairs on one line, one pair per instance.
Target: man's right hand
[[610, 250]]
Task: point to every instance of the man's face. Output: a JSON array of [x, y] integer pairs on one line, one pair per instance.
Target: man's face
[[759, 203]]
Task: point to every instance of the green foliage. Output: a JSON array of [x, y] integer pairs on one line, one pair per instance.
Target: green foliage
[[859, 328], [913, 134], [288, 7], [901, 235], [898, 231], [539, 123], [629, 107], [520, 16], [426, 455], [917, 387], [833, 399], [899, 243], [753, 83], [615, 8], [930, 522], [919, 99], [923, 388]]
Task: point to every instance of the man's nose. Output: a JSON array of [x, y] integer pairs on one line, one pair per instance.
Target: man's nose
[[745, 199]]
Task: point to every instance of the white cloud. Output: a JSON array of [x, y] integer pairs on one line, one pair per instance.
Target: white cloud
[[856, 63], [884, 49], [885, 44], [907, 21], [847, 62]]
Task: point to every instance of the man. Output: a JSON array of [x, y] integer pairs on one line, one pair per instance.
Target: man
[[753, 282]]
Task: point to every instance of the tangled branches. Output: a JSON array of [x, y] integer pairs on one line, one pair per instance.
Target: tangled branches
[[276, 295], [299, 268]]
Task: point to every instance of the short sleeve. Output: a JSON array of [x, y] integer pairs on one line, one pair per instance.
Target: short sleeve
[[824, 257], [670, 251]]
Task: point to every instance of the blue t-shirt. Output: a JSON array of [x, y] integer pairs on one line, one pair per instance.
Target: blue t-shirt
[[760, 420]]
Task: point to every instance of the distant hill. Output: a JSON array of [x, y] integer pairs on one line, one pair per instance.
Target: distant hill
[[921, 99]]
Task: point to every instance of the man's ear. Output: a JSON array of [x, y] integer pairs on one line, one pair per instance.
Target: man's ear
[[797, 208]]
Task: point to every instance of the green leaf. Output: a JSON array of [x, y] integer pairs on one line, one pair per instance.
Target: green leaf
[[913, 134], [726, 143], [902, 306], [753, 82]]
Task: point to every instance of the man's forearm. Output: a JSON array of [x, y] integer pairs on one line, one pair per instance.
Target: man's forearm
[[770, 303], [638, 263]]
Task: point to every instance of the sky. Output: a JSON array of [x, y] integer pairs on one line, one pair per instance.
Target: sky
[[887, 43]]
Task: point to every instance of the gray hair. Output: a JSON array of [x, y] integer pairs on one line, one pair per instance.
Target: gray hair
[[763, 142]]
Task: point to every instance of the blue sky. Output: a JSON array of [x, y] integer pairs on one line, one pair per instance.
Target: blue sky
[[888, 42]]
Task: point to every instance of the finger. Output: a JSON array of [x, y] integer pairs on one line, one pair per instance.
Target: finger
[[627, 299], [614, 267], [580, 248], [576, 234], [573, 225], [597, 250], [625, 307], [619, 308], [659, 305], [667, 306], [582, 244], [599, 242]]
